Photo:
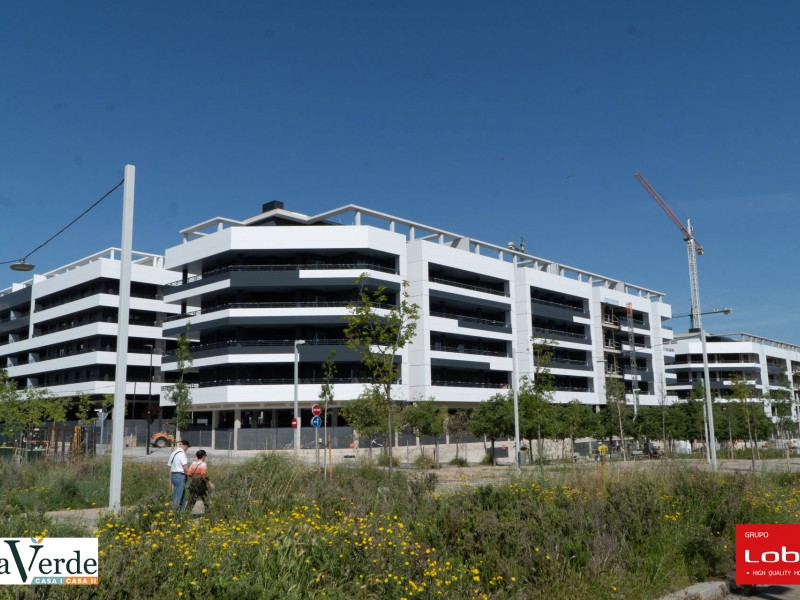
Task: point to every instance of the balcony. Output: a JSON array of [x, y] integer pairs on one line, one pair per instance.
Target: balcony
[[462, 349], [561, 305], [359, 265], [469, 384], [467, 286], [468, 320], [256, 305], [560, 334], [277, 381]]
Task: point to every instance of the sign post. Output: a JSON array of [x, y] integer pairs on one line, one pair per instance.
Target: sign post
[[316, 421]]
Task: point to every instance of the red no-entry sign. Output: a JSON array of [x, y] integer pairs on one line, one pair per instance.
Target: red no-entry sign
[[316, 410], [294, 423]]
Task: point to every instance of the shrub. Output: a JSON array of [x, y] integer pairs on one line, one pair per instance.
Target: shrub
[[424, 461], [459, 462]]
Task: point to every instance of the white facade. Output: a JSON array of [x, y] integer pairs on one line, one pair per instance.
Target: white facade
[[58, 330], [248, 289], [761, 362]]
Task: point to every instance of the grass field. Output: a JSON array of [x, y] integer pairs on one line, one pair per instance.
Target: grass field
[[274, 529]]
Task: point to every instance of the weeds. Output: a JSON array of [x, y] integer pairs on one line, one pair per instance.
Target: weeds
[[275, 529]]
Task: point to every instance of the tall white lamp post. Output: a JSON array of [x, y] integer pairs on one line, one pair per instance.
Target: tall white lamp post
[[297, 343], [712, 440], [118, 414]]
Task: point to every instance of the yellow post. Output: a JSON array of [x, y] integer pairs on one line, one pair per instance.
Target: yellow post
[[603, 450]]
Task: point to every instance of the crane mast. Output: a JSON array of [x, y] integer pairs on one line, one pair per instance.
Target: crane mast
[[693, 248]]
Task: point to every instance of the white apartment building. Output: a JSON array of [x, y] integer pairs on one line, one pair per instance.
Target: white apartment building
[[766, 365], [248, 290], [58, 330]]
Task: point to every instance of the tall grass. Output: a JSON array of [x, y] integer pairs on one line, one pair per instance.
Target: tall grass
[[276, 530]]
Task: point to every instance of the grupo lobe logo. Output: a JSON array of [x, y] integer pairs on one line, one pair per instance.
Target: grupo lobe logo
[[48, 561], [767, 554]]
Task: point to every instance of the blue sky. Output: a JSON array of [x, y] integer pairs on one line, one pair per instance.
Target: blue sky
[[499, 120]]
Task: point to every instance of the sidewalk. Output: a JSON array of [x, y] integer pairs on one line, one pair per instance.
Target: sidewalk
[[719, 590]]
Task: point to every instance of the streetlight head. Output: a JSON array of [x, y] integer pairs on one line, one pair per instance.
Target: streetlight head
[[727, 310], [21, 265]]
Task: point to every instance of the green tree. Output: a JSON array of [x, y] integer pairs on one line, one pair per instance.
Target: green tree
[[366, 414], [180, 394], [742, 392], [688, 416], [781, 400], [611, 421], [329, 371], [493, 418], [536, 396], [426, 417], [21, 411], [571, 421], [457, 425], [378, 331]]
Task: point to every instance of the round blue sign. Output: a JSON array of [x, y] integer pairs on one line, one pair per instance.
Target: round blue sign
[[316, 421]]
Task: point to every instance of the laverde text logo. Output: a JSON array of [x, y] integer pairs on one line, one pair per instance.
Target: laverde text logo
[[48, 561], [767, 554]]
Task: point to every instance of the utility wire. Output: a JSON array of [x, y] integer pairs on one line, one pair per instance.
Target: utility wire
[[67, 226]]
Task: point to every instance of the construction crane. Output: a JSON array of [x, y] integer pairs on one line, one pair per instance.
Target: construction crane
[[693, 246]]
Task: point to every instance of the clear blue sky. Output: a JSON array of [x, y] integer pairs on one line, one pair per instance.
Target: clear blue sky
[[497, 120]]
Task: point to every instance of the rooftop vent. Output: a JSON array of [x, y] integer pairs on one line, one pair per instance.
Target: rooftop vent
[[271, 205]]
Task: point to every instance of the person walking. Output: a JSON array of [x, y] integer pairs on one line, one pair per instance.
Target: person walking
[[178, 466], [198, 484]]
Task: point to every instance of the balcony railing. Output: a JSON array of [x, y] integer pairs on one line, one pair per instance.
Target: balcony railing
[[366, 266], [468, 350], [549, 332], [469, 384], [569, 361], [467, 286], [478, 320], [277, 381], [231, 305], [259, 344], [559, 305]]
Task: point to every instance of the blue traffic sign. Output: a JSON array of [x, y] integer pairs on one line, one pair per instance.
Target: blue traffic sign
[[316, 422]]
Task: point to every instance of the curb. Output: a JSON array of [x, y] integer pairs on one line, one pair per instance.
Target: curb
[[711, 590]]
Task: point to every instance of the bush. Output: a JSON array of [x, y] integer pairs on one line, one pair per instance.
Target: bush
[[424, 461], [278, 529], [459, 462], [383, 460]]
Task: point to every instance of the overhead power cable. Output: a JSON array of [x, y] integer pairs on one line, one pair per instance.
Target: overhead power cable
[[63, 229]]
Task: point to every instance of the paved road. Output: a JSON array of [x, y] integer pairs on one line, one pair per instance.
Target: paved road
[[768, 592]]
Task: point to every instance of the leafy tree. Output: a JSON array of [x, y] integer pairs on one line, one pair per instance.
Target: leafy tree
[[457, 425], [180, 394], [611, 420], [84, 410], [493, 418], [649, 424], [743, 394], [21, 411], [366, 414], [689, 417], [536, 396], [329, 371], [427, 417], [572, 420], [781, 399], [378, 332]]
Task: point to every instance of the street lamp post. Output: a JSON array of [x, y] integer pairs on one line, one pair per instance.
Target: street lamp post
[[120, 378], [296, 408], [712, 441], [149, 397]]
